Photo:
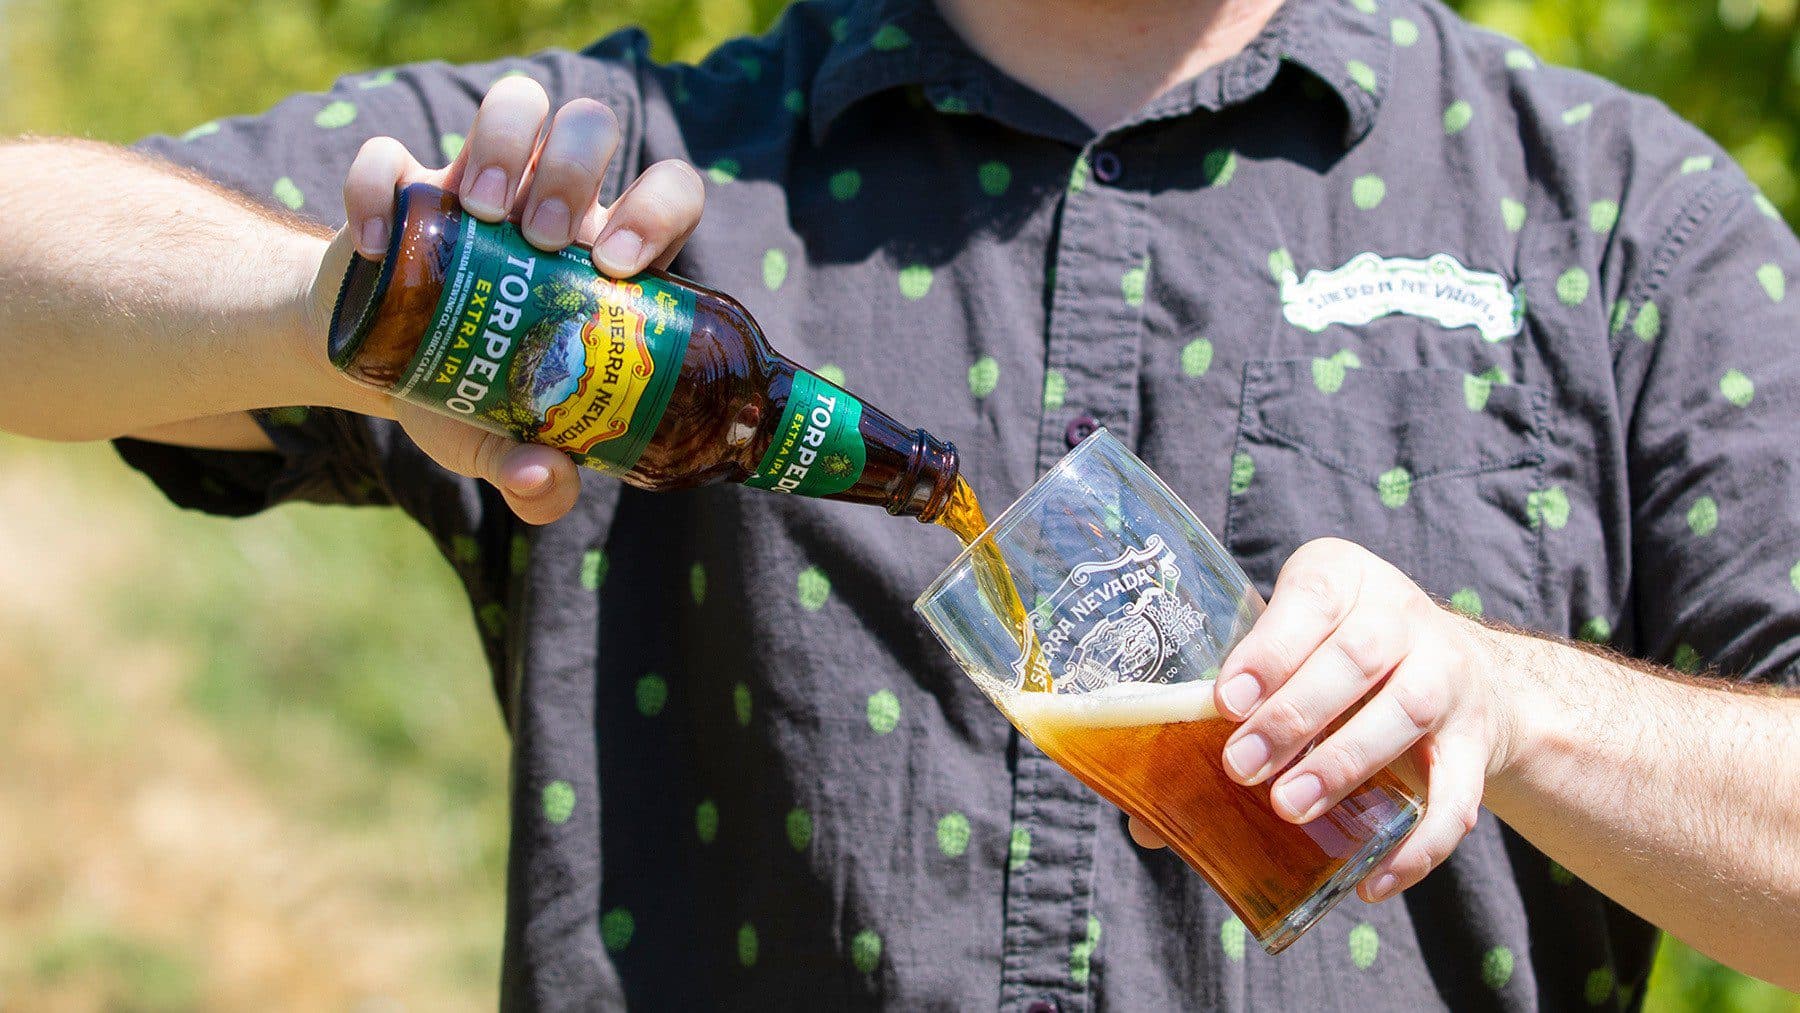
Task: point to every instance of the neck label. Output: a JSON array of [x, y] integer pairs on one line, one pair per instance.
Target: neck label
[[818, 449]]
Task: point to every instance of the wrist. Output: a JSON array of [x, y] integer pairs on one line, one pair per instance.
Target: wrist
[[314, 270], [1527, 716]]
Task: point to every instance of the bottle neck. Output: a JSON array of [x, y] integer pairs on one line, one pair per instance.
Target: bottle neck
[[931, 473], [907, 472]]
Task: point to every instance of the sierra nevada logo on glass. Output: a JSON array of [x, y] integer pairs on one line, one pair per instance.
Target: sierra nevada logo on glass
[[1119, 620]]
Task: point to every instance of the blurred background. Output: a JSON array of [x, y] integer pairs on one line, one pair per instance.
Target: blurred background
[[223, 782]]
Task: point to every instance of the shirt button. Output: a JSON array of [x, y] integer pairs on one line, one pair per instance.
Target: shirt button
[[1042, 1006], [1080, 428], [1107, 167]]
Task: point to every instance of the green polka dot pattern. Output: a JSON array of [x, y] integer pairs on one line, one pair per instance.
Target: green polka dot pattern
[[288, 193], [1395, 488], [593, 569], [984, 376], [652, 695], [335, 115], [953, 835], [883, 711], [799, 828], [865, 951], [774, 269], [1018, 848], [1196, 358], [1368, 192], [1364, 944], [706, 821], [1457, 117], [1599, 987], [741, 704], [994, 177], [616, 929], [558, 801], [1467, 602], [814, 588], [1081, 955], [1219, 166], [1497, 967], [889, 38], [1231, 939], [846, 185], [915, 281]]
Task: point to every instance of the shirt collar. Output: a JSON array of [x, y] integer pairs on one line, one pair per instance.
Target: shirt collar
[[883, 44]]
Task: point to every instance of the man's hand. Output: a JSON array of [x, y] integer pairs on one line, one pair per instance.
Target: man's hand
[[1355, 659], [545, 173]]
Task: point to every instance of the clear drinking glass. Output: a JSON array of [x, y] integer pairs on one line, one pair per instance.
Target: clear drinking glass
[[1132, 607]]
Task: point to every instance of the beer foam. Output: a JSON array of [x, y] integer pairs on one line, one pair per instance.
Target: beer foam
[[1123, 705]]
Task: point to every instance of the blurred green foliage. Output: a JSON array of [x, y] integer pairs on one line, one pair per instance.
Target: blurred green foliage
[[116, 69]]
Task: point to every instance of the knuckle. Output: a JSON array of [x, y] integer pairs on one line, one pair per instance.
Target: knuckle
[[682, 175], [653, 212], [568, 169], [484, 457], [1283, 722], [592, 113], [1467, 815], [1363, 648], [1340, 765], [1420, 703], [1319, 590]]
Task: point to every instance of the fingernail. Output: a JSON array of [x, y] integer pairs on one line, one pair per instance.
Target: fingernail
[[549, 224], [529, 480], [1382, 887], [1300, 794], [1247, 755], [374, 238], [618, 254], [1241, 694], [487, 195]]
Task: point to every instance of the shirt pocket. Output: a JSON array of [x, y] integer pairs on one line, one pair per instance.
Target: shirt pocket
[[1429, 468]]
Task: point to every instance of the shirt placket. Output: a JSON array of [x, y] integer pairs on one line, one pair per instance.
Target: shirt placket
[[1099, 270]]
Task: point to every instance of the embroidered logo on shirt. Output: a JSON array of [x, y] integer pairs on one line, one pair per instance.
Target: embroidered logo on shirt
[[1438, 289]]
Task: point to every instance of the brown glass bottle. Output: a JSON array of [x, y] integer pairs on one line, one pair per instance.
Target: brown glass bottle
[[727, 416]]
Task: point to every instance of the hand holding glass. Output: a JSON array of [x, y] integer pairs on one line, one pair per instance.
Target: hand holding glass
[[1132, 607]]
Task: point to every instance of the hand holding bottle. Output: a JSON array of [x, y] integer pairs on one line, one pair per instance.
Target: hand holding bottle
[[544, 173]]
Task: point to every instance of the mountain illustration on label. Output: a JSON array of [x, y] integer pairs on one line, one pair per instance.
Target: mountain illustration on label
[[1118, 620], [592, 371]]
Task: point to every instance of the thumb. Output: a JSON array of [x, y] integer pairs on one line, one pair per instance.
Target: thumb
[[540, 483]]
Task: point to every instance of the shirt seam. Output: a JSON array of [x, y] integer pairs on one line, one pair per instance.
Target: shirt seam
[[1700, 208]]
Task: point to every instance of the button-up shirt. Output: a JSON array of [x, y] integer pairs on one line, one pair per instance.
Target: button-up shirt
[[1380, 275]]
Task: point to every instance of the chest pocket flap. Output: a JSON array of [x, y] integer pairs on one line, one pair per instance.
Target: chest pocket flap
[[1429, 468]]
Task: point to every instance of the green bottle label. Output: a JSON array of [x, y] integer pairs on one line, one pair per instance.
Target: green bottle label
[[819, 448], [545, 349]]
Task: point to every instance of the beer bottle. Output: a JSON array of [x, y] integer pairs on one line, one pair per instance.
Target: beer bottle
[[661, 382]]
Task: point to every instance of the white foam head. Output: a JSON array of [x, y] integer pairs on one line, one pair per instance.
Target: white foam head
[[1124, 705]]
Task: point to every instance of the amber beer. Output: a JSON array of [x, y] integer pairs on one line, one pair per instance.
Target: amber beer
[[659, 381], [1154, 750]]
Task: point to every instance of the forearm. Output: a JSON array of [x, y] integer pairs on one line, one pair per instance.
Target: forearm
[[1674, 798], [135, 296]]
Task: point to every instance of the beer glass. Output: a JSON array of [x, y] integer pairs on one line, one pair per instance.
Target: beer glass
[[1130, 606]]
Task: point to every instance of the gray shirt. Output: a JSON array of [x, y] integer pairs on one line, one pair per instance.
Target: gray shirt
[[1381, 275]]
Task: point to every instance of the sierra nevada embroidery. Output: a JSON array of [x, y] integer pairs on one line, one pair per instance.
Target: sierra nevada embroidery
[[1438, 289]]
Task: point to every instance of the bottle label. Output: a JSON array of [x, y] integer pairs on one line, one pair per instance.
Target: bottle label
[[544, 348], [819, 448]]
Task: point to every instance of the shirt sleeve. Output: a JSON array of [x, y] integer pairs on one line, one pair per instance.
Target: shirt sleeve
[[1708, 363], [294, 157]]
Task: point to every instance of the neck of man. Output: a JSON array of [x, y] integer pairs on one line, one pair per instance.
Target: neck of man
[[1104, 59]]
